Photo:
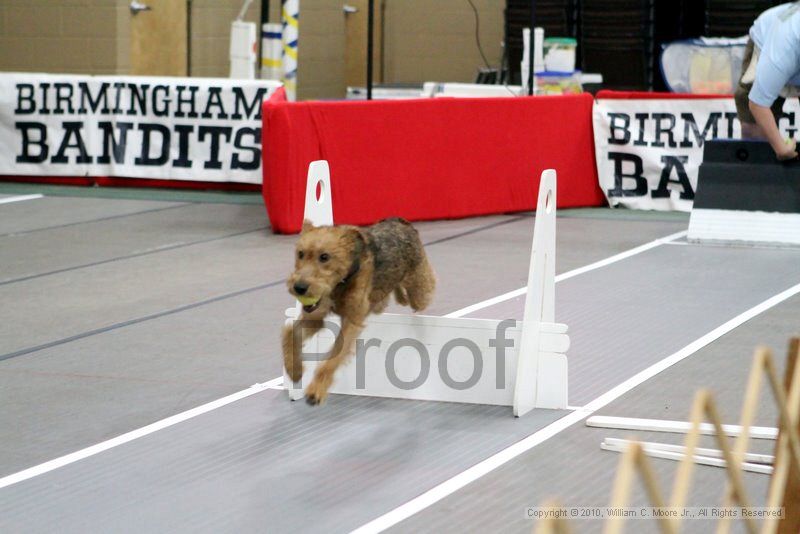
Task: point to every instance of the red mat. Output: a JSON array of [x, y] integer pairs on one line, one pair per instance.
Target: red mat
[[428, 159]]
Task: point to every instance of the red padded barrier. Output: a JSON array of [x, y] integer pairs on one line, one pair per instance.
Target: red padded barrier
[[428, 159]]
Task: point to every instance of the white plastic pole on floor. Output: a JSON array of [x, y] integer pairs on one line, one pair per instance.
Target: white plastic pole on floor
[[271, 47], [755, 463], [677, 427], [290, 16]]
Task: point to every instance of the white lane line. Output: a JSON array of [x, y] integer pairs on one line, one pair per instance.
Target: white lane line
[[20, 198], [275, 383], [134, 434], [569, 274], [457, 482]]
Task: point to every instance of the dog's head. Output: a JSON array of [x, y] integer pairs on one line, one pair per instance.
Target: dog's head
[[324, 257]]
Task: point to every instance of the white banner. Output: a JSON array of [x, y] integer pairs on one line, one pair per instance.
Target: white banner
[[649, 150], [204, 129]]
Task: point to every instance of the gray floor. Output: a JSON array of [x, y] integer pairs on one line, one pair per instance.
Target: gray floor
[[118, 313], [628, 316], [572, 467]]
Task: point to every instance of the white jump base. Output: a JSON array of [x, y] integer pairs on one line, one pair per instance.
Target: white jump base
[[422, 357], [734, 227]]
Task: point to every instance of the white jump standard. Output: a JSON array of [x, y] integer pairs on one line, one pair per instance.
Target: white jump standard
[[745, 197], [477, 361]]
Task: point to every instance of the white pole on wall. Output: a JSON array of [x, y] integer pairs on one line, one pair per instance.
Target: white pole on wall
[[290, 14]]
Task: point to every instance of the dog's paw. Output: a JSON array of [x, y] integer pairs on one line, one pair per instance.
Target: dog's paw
[[315, 394]]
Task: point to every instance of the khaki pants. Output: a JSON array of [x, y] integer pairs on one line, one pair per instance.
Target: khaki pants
[[742, 93]]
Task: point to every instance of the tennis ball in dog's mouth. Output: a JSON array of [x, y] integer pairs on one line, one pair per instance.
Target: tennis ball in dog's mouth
[[308, 301]]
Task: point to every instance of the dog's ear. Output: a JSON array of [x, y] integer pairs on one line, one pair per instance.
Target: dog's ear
[[307, 225]]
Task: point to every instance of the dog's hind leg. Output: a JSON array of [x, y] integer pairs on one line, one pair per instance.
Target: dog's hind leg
[[419, 285], [401, 296], [378, 301], [317, 390]]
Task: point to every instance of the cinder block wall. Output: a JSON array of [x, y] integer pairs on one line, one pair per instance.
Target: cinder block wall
[[75, 36], [93, 36], [424, 39], [210, 27], [435, 40], [320, 70]]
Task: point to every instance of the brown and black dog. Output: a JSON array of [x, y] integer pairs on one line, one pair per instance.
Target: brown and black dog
[[351, 271]]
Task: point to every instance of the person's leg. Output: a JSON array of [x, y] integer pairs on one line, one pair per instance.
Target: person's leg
[[750, 130]]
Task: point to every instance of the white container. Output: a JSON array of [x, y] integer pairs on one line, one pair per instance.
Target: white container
[[243, 50], [559, 54]]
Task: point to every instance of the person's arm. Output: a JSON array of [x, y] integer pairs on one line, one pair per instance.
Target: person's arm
[[784, 149], [779, 59]]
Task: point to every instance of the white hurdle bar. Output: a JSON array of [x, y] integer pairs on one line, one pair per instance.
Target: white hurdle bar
[[755, 463], [435, 358], [676, 427]]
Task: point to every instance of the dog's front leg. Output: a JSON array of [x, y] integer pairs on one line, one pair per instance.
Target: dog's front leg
[[317, 390], [293, 338]]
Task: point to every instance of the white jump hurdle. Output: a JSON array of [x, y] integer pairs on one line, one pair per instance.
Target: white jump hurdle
[[745, 197], [478, 361]]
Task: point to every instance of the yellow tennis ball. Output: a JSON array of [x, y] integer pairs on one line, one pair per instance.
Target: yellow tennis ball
[[308, 301]]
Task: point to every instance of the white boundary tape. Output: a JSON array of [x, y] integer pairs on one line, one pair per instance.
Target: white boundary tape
[[454, 484], [277, 383], [20, 198], [569, 274], [134, 434]]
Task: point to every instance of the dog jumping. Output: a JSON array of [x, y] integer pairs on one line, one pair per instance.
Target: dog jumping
[[351, 271]]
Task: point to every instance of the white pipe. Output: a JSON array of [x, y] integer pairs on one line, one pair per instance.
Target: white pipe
[[244, 9], [698, 459], [677, 427], [765, 459]]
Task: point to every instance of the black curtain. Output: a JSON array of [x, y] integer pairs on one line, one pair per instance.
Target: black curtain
[[622, 39]]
